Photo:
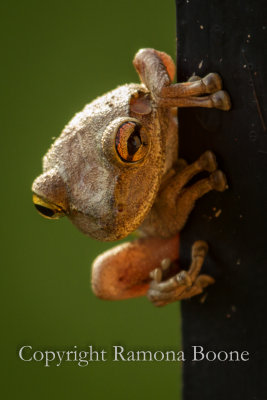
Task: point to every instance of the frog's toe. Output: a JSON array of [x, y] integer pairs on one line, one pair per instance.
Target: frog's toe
[[221, 100], [160, 298], [213, 82], [200, 284], [207, 161], [200, 249], [156, 275], [218, 181], [194, 78], [180, 279], [165, 264], [204, 280]]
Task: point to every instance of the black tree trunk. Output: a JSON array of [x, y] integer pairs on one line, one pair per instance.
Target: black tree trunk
[[229, 37]]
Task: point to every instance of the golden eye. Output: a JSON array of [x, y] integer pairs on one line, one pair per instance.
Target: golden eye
[[131, 142], [46, 209]]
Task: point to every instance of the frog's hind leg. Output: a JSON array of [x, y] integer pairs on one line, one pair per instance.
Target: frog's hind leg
[[183, 285]]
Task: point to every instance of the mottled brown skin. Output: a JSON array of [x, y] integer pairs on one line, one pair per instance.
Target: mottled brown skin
[[134, 261], [115, 169]]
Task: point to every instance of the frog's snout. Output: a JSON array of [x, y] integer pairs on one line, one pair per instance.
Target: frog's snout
[[50, 195]]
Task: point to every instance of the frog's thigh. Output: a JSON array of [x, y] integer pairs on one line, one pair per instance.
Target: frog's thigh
[[123, 271]]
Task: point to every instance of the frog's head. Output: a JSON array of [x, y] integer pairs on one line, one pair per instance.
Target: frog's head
[[104, 170]]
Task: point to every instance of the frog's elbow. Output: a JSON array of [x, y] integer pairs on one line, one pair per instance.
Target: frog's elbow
[[114, 278], [106, 280], [121, 272], [100, 279]]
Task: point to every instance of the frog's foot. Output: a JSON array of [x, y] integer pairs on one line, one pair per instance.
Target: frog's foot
[[156, 70], [183, 285]]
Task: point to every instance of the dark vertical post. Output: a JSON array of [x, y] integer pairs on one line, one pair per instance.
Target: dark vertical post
[[229, 37]]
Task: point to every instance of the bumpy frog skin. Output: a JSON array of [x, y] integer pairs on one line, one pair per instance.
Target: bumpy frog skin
[[115, 169]]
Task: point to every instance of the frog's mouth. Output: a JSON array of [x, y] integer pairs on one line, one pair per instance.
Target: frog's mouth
[[47, 209], [50, 195]]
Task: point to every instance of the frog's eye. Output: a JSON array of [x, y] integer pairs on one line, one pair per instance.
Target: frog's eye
[[46, 209], [131, 142]]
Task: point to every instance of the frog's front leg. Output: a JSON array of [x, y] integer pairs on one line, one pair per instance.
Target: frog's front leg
[[187, 198], [184, 284], [156, 70], [123, 271], [176, 199]]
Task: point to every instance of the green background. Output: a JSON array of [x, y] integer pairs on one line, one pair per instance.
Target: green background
[[56, 57]]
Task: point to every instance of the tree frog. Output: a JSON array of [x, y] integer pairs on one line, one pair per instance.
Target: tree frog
[[115, 169]]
